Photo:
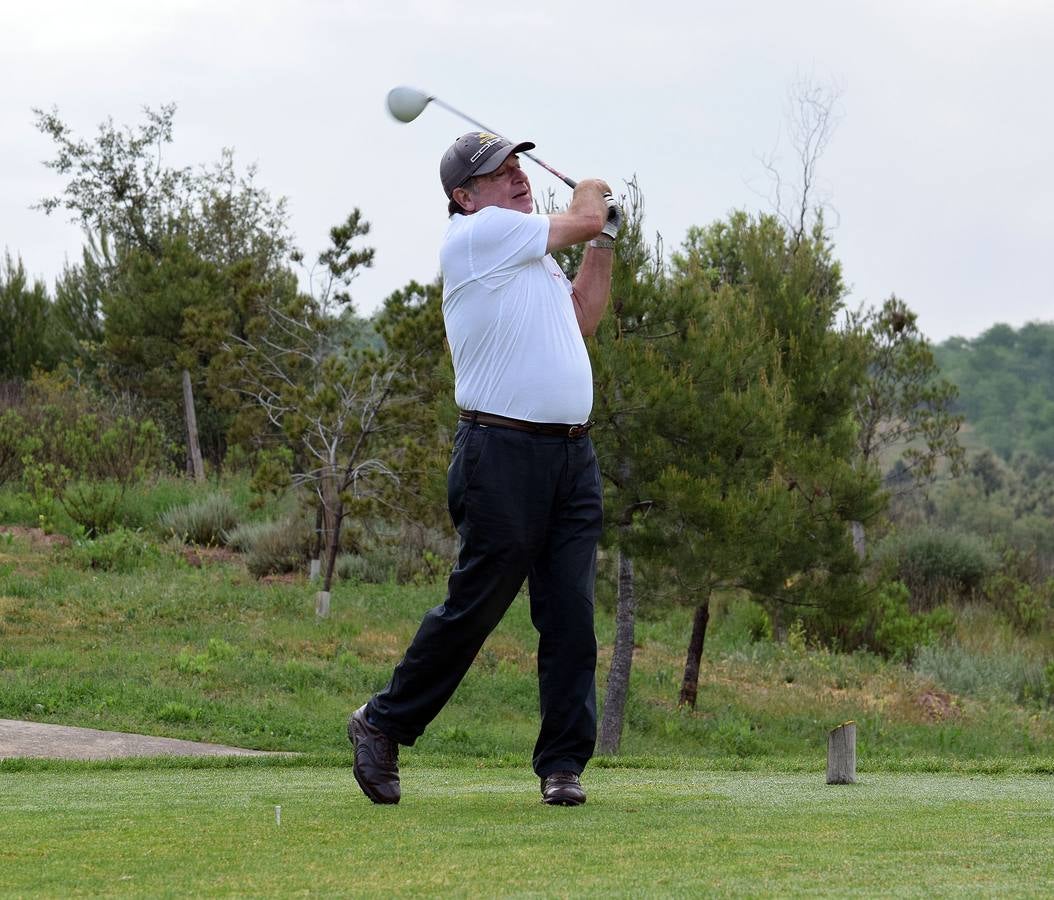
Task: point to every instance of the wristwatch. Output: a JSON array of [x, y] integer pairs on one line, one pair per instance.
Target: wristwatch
[[602, 243]]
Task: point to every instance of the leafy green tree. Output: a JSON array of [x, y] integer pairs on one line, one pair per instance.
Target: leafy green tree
[[904, 408], [119, 183], [422, 414], [153, 309], [78, 303], [632, 386], [25, 326], [163, 224], [766, 507], [1005, 379]]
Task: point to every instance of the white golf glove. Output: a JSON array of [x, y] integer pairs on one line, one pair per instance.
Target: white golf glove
[[614, 221]]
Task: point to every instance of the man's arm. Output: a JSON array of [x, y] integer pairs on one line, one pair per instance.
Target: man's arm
[[591, 288], [584, 218]]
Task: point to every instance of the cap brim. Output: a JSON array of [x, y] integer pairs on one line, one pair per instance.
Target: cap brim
[[498, 158]]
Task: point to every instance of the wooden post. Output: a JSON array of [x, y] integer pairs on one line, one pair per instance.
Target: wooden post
[[192, 428], [315, 570], [841, 754]]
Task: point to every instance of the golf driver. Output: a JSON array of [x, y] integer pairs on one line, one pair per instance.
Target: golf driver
[[407, 103]]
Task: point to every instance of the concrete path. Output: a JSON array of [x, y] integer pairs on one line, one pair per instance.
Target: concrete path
[[33, 739]]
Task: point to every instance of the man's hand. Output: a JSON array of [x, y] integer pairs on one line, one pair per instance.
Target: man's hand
[[585, 217], [614, 220], [590, 196]]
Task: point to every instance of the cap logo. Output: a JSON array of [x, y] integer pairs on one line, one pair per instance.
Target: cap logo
[[487, 140]]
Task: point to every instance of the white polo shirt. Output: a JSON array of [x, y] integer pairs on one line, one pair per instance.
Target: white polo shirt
[[510, 321]]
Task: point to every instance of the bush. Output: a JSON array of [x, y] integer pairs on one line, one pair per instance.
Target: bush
[[119, 551], [15, 443], [936, 565], [278, 547], [375, 568], [19, 507], [93, 505], [987, 676], [897, 633], [204, 522], [1020, 591], [244, 537], [405, 552]]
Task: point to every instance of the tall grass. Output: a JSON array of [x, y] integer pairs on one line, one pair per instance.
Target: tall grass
[[1010, 676], [205, 521]]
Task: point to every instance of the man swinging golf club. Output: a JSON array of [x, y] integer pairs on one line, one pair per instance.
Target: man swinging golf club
[[523, 485]]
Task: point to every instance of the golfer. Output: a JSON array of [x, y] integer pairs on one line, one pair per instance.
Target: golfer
[[523, 484]]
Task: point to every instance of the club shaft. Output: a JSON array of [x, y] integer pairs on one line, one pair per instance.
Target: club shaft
[[570, 182]]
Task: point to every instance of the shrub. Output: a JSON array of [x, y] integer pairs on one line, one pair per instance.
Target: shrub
[[279, 547], [407, 552], [376, 568], [936, 565], [1020, 591], [244, 537], [204, 522], [15, 443], [895, 632], [736, 621], [19, 508], [93, 505], [1009, 673], [120, 550], [75, 439]]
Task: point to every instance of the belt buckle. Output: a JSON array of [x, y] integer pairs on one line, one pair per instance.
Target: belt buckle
[[577, 431]]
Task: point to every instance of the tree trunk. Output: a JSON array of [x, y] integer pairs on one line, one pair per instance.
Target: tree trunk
[[621, 658], [690, 685], [192, 428], [316, 553], [336, 518], [859, 539], [777, 614], [333, 549]]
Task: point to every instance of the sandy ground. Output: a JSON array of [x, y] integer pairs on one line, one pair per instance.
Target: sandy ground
[[33, 739]]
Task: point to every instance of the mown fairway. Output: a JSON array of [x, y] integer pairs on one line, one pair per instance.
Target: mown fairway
[[482, 832]]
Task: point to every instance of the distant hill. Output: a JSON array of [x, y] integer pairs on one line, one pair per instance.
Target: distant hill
[[1006, 386]]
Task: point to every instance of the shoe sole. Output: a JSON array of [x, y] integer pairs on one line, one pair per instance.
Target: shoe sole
[[352, 736], [563, 801]]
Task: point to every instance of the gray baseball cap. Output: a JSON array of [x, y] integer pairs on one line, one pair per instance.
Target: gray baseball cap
[[475, 153]]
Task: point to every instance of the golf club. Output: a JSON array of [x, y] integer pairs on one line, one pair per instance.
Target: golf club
[[407, 103]]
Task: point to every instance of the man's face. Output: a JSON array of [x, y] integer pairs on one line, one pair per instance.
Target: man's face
[[507, 187]]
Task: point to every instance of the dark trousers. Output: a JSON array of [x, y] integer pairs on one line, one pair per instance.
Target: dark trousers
[[528, 507]]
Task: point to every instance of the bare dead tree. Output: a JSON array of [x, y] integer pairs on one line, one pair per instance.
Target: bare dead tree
[[796, 194], [329, 405]]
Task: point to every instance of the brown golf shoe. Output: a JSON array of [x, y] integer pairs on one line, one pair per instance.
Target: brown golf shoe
[[376, 765], [562, 789]]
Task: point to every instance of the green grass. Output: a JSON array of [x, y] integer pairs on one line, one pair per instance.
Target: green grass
[[213, 654], [463, 832]]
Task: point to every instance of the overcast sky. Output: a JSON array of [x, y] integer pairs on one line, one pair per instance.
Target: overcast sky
[[940, 172]]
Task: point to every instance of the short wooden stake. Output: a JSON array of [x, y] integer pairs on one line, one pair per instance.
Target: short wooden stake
[[315, 570], [322, 604], [841, 754]]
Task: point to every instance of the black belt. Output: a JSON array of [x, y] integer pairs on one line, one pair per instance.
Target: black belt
[[556, 429]]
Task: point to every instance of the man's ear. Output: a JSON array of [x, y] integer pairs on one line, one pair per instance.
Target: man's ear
[[463, 198]]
